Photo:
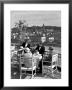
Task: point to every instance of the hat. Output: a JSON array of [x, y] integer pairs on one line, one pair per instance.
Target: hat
[[27, 50]]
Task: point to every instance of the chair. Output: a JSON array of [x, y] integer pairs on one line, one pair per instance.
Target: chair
[[54, 63], [14, 65], [20, 58], [52, 67], [27, 66]]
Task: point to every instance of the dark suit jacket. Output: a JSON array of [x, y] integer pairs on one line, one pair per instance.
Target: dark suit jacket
[[37, 48], [42, 50]]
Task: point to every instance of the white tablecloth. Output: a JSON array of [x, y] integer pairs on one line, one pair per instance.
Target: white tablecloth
[[37, 58]]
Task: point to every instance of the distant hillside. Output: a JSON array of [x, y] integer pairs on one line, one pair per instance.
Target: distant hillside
[[36, 32], [39, 28]]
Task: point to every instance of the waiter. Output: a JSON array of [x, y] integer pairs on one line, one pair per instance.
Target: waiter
[[41, 51]]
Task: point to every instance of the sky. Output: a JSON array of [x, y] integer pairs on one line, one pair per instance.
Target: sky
[[50, 18]]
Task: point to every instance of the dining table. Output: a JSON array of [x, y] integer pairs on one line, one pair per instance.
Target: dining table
[[38, 58]]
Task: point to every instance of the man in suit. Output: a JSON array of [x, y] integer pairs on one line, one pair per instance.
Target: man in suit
[[37, 47], [41, 51]]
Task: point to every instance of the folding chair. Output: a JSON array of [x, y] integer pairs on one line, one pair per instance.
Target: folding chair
[[53, 66], [54, 62]]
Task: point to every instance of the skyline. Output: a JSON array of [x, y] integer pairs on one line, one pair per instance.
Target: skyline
[[37, 18]]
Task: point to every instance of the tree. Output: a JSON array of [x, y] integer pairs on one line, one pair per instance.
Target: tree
[[22, 27]]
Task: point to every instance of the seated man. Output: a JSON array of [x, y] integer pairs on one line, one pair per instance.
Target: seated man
[[27, 58]]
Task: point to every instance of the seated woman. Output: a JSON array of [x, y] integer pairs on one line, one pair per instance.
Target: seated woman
[[27, 58], [27, 53]]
